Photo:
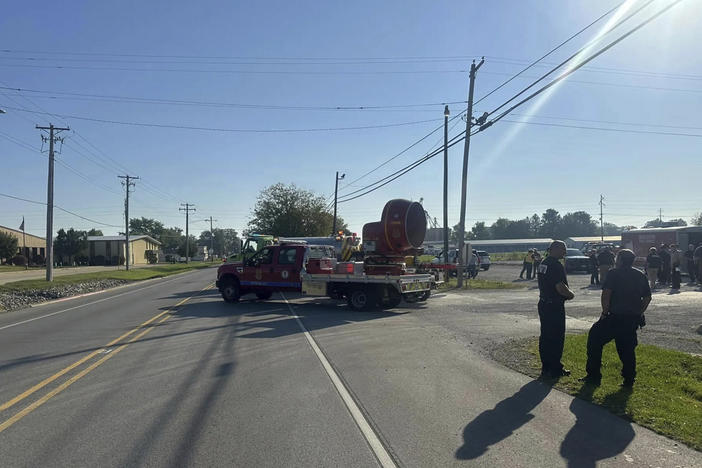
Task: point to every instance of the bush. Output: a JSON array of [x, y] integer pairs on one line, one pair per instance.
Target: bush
[[19, 260], [151, 256]]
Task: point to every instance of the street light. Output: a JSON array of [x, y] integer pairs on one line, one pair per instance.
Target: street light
[[336, 190], [446, 234]]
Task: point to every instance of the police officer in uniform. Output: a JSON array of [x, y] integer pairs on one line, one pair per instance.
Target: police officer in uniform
[[553, 292], [625, 297]]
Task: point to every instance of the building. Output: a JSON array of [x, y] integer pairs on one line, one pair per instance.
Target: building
[[35, 246], [580, 242], [640, 240], [110, 250], [509, 245]]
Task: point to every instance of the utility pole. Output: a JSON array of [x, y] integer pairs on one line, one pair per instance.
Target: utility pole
[[601, 218], [50, 198], [336, 190], [188, 207], [464, 185], [211, 238], [660, 215], [128, 183], [446, 232]]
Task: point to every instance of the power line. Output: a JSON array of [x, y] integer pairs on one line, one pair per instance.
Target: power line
[[234, 130], [58, 208], [567, 73], [604, 129]]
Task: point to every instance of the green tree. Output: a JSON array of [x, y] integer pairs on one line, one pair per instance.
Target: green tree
[[505, 228], [171, 239], [654, 223], [534, 225], [611, 229], [226, 241], [480, 231], [550, 224], [696, 220], [192, 247], [286, 210], [578, 223], [95, 232], [68, 244], [8, 246], [147, 227]]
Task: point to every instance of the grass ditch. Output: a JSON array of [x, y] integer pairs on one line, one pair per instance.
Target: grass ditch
[[667, 395], [479, 283], [136, 274]]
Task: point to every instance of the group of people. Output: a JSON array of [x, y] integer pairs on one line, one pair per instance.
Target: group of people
[[663, 265], [530, 264], [625, 297]]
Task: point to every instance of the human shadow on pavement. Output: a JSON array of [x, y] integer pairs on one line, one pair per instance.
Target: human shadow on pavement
[[494, 425], [597, 434]]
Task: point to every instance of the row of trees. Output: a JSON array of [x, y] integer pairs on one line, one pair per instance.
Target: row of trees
[[554, 226], [172, 239]]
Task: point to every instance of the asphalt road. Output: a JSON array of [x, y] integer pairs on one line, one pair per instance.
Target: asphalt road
[[164, 373]]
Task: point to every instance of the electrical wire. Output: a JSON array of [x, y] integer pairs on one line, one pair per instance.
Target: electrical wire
[[58, 208], [605, 129]]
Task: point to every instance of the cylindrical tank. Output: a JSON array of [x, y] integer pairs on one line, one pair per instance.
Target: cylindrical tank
[[402, 227]]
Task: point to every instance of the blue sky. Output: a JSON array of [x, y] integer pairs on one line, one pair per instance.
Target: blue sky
[[326, 54]]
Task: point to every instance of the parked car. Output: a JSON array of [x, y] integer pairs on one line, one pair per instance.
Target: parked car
[[576, 261], [484, 258]]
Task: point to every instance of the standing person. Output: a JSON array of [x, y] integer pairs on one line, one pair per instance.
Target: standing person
[[625, 297], [675, 259], [664, 272], [537, 261], [697, 255], [553, 292], [526, 265], [653, 264], [594, 273], [605, 261], [689, 256]]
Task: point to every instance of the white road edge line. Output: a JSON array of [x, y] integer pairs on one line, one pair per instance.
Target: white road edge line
[[87, 304], [371, 437]]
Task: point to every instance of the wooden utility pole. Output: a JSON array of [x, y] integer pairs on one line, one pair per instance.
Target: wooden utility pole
[[211, 238], [128, 183], [187, 208], [50, 198], [446, 232], [336, 190], [464, 185], [601, 218]]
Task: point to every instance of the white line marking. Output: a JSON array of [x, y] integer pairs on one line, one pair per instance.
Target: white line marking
[[88, 303], [371, 437]]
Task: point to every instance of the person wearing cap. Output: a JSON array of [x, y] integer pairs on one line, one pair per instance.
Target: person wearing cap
[[625, 297], [553, 292]]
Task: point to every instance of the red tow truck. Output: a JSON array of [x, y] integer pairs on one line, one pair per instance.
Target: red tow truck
[[381, 280]]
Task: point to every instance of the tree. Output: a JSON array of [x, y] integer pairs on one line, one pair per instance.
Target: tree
[[95, 232], [611, 229], [505, 228], [8, 245], [655, 223], [550, 223], [192, 247], [534, 225], [170, 239], [226, 241], [68, 244], [147, 227], [480, 231], [578, 223], [286, 210], [453, 235], [696, 220]]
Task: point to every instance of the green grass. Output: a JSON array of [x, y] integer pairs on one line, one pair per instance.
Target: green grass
[[4, 268], [667, 395], [137, 274], [478, 283]]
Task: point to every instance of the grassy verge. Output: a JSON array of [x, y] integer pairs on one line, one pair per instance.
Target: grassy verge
[[667, 395], [137, 274], [4, 268], [478, 283]]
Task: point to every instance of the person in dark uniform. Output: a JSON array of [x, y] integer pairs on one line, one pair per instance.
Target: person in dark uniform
[[664, 271], [553, 292], [689, 256], [625, 296], [594, 269]]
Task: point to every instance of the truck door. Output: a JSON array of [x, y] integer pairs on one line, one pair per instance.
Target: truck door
[[258, 269], [286, 271]]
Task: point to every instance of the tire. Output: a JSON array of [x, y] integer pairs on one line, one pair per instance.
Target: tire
[[425, 295], [361, 299], [411, 298], [390, 298], [264, 295], [230, 291]]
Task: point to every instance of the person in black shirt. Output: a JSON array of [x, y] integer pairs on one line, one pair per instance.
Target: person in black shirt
[[653, 264], [689, 256], [625, 296], [594, 273], [664, 272], [605, 260], [553, 292]]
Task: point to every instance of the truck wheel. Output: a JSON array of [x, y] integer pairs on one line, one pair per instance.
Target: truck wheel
[[425, 295], [264, 295], [360, 299], [390, 299], [230, 291], [411, 298]]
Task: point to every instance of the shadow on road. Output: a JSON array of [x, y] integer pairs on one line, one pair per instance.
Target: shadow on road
[[494, 425], [597, 434]]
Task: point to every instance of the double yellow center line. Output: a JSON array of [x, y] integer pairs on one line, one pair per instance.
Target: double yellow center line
[[138, 333]]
